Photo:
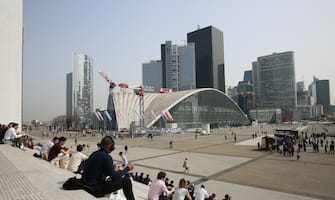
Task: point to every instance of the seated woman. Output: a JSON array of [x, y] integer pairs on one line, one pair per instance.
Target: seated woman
[[76, 159], [181, 193]]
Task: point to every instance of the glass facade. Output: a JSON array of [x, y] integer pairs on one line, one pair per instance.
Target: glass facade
[[274, 81], [209, 57], [208, 106], [82, 89]]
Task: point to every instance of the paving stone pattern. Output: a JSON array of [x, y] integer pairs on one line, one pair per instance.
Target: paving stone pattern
[[16, 186]]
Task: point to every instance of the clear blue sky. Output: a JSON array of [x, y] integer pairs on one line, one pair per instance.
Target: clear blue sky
[[121, 35]]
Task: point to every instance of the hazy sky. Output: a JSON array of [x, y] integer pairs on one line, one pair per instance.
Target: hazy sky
[[121, 35]]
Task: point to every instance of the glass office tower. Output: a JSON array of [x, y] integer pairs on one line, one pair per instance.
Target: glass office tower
[[209, 57], [82, 90], [274, 81]]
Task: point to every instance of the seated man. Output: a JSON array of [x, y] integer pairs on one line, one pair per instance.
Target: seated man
[[158, 188], [46, 148], [99, 172], [57, 149]]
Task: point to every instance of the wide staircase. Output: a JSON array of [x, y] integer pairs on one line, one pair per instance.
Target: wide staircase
[[24, 177]]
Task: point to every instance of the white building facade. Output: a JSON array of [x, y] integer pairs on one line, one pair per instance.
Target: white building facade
[[11, 31]]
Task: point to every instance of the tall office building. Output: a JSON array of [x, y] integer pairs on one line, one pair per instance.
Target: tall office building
[[248, 76], [319, 92], [209, 57], [302, 94], [11, 32], [274, 81], [170, 66], [186, 58], [82, 89], [178, 66], [152, 74], [69, 96]]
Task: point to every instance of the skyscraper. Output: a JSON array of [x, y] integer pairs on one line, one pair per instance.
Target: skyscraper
[[178, 66], [152, 74], [186, 58], [209, 57], [248, 76], [274, 81], [82, 89], [170, 66], [319, 92], [11, 32], [69, 96]]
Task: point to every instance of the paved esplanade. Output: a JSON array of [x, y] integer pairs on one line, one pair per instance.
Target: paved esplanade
[[224, 167]]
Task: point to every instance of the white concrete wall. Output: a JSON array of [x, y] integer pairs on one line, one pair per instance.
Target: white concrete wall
[[11, 33]]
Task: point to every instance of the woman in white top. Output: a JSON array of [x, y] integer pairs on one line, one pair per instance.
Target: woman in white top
[[181, 193], [76, 159]]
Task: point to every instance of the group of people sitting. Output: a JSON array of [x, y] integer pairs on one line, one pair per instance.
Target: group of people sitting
[[102, 177], [10, 134], [54, 151], [160, 189], [141, 179]]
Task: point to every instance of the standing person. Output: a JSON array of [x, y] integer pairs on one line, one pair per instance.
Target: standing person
[[235, 138], [125, 149], [46, 148], [158, 188], [201, 193], [76, 159], [76, 139], [186, 166], [124, 159], [57, 149], [100, 174], [170, 143], [181, 192]]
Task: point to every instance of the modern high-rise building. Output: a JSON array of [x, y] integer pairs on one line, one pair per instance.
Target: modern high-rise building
[[82, 90], [319, 92], [170, 65], [152, 74], [186, 57], [248, 76], [178, 66], [11, 31], [69, 96], [302, 94], [209, 57], [274, 81]]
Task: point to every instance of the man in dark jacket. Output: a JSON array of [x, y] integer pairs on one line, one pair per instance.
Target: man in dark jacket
[[100, 174]]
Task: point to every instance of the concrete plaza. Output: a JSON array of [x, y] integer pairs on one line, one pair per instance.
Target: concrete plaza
[[225, 167]]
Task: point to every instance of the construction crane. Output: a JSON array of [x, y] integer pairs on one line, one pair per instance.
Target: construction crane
[[138, 90]]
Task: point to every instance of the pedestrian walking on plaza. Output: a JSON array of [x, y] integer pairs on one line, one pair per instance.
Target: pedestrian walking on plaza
[[76, 140], [170, 143], [235, 138], [125, 149], [124, 159], [186, 166]]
